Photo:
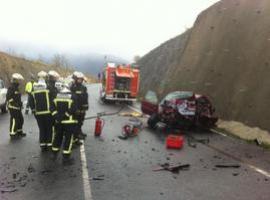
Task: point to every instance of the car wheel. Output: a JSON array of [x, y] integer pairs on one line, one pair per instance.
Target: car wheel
[[152, 121]]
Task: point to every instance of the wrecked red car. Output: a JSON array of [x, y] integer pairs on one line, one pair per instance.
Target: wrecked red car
[[179, 109]]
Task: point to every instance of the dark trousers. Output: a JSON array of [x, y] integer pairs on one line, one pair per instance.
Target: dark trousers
[[28, 103], [80, 117], [45, 123], [16, 121], [63, 131]]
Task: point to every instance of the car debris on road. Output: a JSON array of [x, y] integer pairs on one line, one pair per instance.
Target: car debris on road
[[228, 166], [131, 128], [172, 168]]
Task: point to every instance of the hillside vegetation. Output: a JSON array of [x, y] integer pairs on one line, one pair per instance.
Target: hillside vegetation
[[11, 64], [226, 55]]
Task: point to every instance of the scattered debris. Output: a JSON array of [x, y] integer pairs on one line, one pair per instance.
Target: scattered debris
[[35, 156], [97, 179], [23, 184], [235, 174], [217, 157], [172, 168], [46, 171], [30, 168], [131, 128], [8, 190], [227, 166], [203, 141], [121, 137], [153, 149]]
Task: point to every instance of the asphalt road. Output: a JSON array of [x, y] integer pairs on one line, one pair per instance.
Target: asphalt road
[[123, 169]]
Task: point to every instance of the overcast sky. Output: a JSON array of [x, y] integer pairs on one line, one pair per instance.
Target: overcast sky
[[121, 27]]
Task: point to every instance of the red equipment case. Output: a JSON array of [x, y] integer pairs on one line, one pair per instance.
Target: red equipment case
[[174, 141]]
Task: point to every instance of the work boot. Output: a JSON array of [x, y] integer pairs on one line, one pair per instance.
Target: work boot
[[67, 160], [84, 135], [14, 137], [81, 136], [21, 134], [77, 142], [44, 148]]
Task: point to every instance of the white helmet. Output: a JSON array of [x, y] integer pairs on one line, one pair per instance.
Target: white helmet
[[17, 76], [42, 74], [75, 74], [53, 74], [78, 75]]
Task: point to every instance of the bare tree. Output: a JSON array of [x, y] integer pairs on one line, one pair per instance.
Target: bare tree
[[136, 58], [61, 61]]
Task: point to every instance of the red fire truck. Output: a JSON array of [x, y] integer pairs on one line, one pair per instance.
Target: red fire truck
[[120, 83]]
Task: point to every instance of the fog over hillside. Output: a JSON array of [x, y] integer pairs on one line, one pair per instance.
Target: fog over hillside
[[84, 60]]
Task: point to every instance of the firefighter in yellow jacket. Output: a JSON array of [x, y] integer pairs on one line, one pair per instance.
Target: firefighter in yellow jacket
[[65, 107], [28, 90]]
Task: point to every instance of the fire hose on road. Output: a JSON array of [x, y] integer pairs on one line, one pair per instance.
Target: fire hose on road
[[101, 114], [99, 124]]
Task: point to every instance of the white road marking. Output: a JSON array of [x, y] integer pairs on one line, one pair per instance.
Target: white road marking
[[85, 175], [261, 171], [257, 169]]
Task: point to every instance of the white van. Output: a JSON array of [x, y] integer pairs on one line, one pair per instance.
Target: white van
[[3, 93]]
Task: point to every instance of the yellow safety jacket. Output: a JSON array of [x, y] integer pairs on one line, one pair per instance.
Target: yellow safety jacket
[[29, 87]]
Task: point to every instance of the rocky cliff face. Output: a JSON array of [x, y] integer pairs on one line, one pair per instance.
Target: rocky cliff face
[[226, 55]]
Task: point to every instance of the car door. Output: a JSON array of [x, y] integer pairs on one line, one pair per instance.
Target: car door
[[149, 104], [3, 92]]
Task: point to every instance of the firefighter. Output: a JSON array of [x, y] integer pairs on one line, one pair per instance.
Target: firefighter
[[15, 105], [53, 76], [65, 106], [28, 90], [80, 91], [41, 106]]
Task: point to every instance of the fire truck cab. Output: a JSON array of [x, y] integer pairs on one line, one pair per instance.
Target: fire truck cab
[[119, 83]]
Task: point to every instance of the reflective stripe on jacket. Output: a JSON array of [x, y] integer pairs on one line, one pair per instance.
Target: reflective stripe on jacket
[[65, 109], [40, 102]]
